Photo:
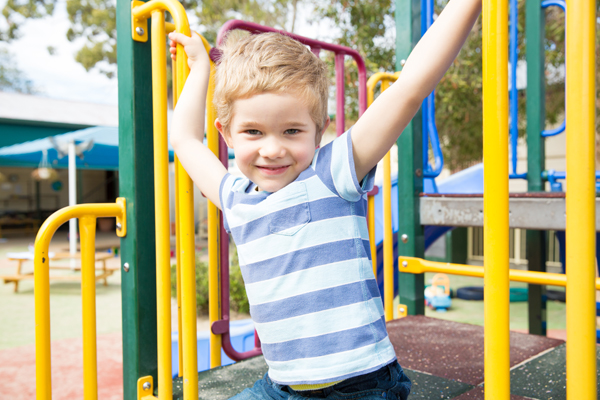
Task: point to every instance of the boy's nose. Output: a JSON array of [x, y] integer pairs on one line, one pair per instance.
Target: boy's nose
[[272, 149]]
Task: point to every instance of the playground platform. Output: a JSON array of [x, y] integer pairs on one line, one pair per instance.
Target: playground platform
[[444, 360]]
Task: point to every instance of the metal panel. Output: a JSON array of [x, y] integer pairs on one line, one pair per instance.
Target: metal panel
[[525, 213]]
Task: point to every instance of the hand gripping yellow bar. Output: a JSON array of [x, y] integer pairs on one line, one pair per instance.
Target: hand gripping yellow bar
[[388, 240], [495, 199], [87, 214]]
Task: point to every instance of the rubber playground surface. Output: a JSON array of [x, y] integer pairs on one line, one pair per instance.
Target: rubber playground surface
[[17, 337]]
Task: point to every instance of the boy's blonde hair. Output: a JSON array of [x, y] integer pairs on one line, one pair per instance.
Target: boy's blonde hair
[[270, 62]]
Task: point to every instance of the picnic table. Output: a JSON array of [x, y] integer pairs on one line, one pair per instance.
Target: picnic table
[[23, 257]]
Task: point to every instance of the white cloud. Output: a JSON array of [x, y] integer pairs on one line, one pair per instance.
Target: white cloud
[[59, 75]]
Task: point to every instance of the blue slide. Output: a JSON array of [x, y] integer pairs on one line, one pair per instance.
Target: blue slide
[[468, 181]]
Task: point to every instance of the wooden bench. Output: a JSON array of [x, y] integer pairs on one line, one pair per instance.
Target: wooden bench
[[21, 258]]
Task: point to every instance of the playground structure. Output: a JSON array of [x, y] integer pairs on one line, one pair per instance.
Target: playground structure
[[146, 290]]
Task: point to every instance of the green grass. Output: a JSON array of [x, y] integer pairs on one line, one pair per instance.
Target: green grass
[[471, 312], [17, 310]]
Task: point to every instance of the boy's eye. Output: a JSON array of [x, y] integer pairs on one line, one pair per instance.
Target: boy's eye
[[253, 132], [292, 131]]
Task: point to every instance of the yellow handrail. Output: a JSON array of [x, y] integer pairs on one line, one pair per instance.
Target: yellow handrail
[[161, 207], [87, 213], [580, 229], [415, 265], [495, 199], [214, 229], [388, 240]]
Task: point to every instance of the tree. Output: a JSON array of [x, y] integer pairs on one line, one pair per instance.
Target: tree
[[362, 26], [11, 79], [95, 20]]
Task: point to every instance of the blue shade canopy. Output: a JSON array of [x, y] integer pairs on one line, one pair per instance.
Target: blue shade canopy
[[103, 154]]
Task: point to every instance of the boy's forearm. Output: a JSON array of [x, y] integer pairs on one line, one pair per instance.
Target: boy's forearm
[[437, 49], [188, 118], [379, 127]]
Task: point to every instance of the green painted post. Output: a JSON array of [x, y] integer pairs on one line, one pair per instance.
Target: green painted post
[[456, 246], [536, 117], [136, 184], [410, 165]]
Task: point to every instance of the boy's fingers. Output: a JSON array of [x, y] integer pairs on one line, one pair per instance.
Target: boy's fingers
[[180, 38]]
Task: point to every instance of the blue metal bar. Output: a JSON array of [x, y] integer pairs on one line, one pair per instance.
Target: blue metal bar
[[424, 112], [562, 127], [555, 131], [513, 105], [428, 110], [551, 174]]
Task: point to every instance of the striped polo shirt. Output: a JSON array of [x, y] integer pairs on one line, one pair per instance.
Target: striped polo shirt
[[305, 259]]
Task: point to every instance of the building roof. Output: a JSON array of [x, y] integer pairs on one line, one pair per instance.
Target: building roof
[[24, 107]]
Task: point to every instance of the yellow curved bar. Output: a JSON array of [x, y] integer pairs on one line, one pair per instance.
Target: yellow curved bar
[[580, 229], [87, 230], [161, 198], [495, 199], [388, 240], [415, 265], [42, 283]]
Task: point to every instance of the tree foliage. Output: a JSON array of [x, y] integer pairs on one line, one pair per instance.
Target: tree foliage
[[11, 79], [458, 96], [95, 21]]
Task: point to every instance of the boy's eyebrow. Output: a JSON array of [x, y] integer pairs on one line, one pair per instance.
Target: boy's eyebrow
[[253, 124]]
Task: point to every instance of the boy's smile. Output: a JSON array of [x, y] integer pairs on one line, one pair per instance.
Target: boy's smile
[[274, 138]]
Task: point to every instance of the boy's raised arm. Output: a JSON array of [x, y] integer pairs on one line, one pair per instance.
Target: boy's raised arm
[[188, 121], [383, 122]]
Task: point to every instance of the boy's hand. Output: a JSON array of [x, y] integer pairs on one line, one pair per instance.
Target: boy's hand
[[193, 46]]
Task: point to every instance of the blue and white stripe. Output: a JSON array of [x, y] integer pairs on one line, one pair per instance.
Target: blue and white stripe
[[305, 259]]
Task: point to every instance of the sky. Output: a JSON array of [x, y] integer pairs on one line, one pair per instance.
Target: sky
[[60, 76]]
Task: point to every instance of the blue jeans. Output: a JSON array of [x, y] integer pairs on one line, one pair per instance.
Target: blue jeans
[[388, 383]]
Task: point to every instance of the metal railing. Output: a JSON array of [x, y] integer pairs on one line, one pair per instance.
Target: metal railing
[[87, 215], [385, 79], [580, 229]]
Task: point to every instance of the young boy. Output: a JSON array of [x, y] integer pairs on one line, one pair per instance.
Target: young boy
[[298, 216]]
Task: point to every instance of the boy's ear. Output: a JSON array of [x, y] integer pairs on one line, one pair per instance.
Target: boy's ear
[[320, 134], [224, 133]]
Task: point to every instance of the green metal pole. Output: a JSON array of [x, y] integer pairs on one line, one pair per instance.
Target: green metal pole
[[536, 118], [410, 166], [136, 184]]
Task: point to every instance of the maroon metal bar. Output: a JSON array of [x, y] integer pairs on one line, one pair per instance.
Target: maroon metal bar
[[340, 95], [313, 44], [222, 326]]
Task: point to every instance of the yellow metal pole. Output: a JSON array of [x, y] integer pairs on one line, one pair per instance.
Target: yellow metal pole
[[580, 230], [43, 383], [373, 245], [388, 240], [495, 199], [161, 197], [177, 238], [187, 249], [415, 265], [87, 229], [214, 262]]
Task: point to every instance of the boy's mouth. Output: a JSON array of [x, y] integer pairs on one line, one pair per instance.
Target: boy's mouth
[[272, 169]]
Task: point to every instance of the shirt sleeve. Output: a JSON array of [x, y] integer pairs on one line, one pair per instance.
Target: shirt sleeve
[[334, 164], [226, 197]]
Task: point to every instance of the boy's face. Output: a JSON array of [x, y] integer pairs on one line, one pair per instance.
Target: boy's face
[[273, 138]]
